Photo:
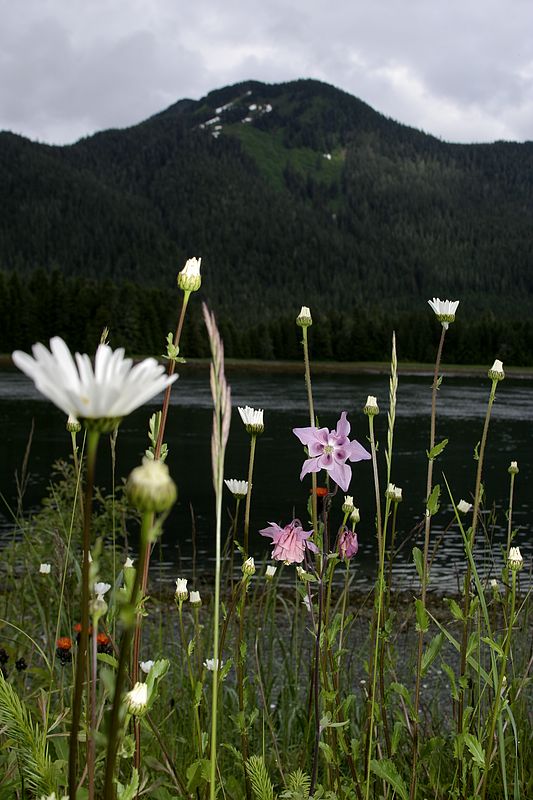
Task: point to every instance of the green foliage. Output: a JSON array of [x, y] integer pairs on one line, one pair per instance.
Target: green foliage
[[259, 778]]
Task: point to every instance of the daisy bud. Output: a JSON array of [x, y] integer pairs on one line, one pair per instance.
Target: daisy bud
[[100, 589], [213, 663], [73, 426], [253, 419], [496, 372], [195, 599], [137, 699], [128, 564], [270, 572], [146, 666], [515, 560], [150, 487], [181, 589], [304, 319], [463, 506], [393, 493], [348, 505], [189, 279], [494, 585], [371, 406], [513, 468], [355, 517], [239, 489], [44, 569], [248, 568]]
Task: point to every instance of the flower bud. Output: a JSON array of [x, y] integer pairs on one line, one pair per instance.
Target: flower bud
[[393, 493], [150, 487], [128, 564], [181, 589], [304, 319], [137, 699], [355, 517], [513, 468], [146, 666], [253, 419], [348, 505], [270, 572], [496, 372], [72, 425], [463, 506], [515, 560], [195, 599], [371, 406], [189, 279], [44, 569], [248, 568]]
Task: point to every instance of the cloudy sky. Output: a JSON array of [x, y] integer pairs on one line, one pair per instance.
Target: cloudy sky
[[460, 69]]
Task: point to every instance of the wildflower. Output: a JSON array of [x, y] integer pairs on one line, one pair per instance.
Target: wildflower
[[77, 631], [44, 569], [270, 572], [189, 279], [72, 424], [496, 372], [150, 487], [181, 589], [128, 564], [494, 585], [515, 560], [348, 544], [146, 666], [348, 505], [371, 407], [304, 319], [100, 589], [213, 664], [445, 310], [105, 393], [195, 599], [394, 493], [330, 451], [253, 419], [248, 568], [137, 699], [239, 489], [63, 648], [463, 506], [355, 517], [103, 644], [289, 542], [513, 468]]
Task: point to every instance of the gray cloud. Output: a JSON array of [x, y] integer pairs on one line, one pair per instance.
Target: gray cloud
[[462, 71]]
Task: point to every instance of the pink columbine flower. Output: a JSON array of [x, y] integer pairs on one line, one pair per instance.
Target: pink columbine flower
[[289, 542], [348, 544], [331, 450]]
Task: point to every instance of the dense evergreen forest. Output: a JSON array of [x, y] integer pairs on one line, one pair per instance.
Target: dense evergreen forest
[[293, 194]]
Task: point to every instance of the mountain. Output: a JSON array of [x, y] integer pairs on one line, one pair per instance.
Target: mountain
[[294, 193]]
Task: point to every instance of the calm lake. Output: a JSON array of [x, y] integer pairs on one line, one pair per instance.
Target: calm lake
[[278, 494]]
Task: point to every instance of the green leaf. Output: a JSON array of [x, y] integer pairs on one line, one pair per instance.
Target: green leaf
[[455, 608], [130, 791], [404, 692], [104, 658], [422, 618], [474, 745], [432, 652], [451, 676], [437, 450], [433, 501], [259, 778], [494, 645], [386, 770], [198, 774], [419, 561]]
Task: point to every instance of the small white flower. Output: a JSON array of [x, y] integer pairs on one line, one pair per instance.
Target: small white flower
[[371, 406], [513, 468], [239, 489], [189, 278], [304, 318], [44, 569], [252, 418], [355, 517], [213, 663], [307, 603], [137, 698], [394, 493], [181, 589], [444, 309], [100, 590], [73, 425], [248, 568], [110, 390], [195, 599], [146, 666], [270, 572], [496, 372], [494, 584], [348, 506], [128, 564], [515, 560], [463, 506]]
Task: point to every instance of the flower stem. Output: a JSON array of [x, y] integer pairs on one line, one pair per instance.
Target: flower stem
[[425, 571], [312, 421], [253, 438], [92, 447]]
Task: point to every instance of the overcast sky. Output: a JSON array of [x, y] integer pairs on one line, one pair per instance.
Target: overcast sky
[[459, 69]]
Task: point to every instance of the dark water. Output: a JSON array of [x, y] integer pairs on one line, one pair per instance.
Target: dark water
[[278, 494]]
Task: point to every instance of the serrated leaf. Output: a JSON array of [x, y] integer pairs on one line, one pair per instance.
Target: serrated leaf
[[386, 770], [422, 618], [451, 676], [433, 501], [437, 450], [431, 653], [474, 745], [455, 608], [419, 561], [130, 791]]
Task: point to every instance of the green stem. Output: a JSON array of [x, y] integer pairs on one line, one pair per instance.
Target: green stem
[[216, 617], [253, 438], [312, 422], [92, 448], [425, 570], [197, 731]]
